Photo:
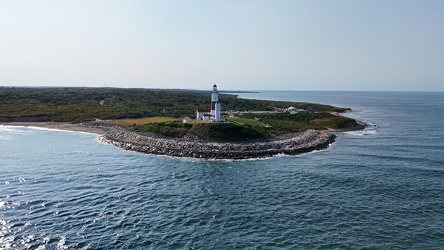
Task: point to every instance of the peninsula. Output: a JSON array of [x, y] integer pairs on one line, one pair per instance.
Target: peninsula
[[173, 122]]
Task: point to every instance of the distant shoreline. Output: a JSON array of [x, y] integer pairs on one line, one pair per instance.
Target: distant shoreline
[[290, 144]]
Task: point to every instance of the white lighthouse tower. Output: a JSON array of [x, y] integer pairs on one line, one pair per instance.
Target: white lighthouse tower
[[214, 99], [215, 105], [214, 113]]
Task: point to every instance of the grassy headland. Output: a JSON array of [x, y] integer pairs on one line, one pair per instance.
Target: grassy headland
[[159, 111]]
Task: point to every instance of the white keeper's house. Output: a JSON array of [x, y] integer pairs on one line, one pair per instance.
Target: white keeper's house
[[212, 114]]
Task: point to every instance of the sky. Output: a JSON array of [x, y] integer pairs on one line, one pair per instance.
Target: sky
[[375, 45]]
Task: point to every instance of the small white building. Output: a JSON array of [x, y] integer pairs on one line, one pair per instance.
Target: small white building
[[203, 114]]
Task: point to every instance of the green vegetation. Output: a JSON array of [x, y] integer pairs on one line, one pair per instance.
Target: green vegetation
[[86, 104], [246, 128], [160, 111], [141, 121], [281, 123], [169, 129], [244, 122], [208, 130], [225, 132]]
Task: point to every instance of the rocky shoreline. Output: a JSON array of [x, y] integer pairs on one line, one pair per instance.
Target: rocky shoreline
[[194, 147], [292, 144]]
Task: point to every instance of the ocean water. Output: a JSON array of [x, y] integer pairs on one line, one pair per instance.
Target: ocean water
[[379, 188]]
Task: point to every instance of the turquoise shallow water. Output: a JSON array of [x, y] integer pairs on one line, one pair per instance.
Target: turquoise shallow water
[[381, 188]]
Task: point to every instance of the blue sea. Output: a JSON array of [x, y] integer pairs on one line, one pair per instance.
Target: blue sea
[[379, 188]]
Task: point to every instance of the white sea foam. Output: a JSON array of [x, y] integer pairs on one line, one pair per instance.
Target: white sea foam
[[7, 132], [62, 243], [362, 132], [371, 129], [13, 129], [57, 130]]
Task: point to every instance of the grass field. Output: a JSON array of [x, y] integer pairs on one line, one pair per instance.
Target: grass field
[[240, 128], [141, 121], [244, 121]]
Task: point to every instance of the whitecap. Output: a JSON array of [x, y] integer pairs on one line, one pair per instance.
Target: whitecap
[[3, 204], [62, 243], [361, 132]]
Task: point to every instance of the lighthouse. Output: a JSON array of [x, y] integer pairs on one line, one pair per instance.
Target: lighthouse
[[214, 113], [215, 105], [214, 100]]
